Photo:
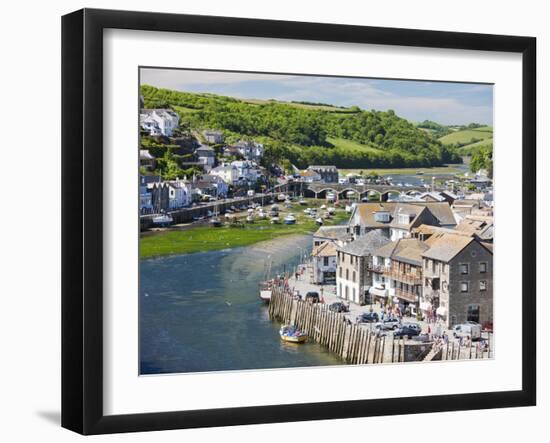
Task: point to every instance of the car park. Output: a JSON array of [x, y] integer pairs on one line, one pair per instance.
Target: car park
[[388, 323]]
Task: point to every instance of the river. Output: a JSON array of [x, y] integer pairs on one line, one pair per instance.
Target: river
[[426, 178], [201, 312]]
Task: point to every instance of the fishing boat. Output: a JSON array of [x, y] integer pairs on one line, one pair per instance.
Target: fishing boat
[[319, 221], [302, 202], [275, 220], [292, 334], [290, 219], [163, 220]]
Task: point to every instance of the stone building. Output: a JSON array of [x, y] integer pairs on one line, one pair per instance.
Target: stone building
[[458, 278], [353, 278], [327, 173]]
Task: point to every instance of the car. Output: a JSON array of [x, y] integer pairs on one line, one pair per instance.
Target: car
[[368, 317], [468, 329], [338, 307], [312, 297], [407, 330], [388, 323]]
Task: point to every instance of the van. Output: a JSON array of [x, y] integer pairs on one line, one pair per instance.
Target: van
[[469, 329]]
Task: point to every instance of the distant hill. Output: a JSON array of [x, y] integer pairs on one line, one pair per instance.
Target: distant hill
[[306, 133]]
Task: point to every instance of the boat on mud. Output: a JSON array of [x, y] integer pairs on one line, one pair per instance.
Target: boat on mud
[[292, 334], [290, 219], [163, 220]]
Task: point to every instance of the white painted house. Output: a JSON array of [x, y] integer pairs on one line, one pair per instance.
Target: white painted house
[[159, 121], [324, 263], [228, 173], [179, 194]]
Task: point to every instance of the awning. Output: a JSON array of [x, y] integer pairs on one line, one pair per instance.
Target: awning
[[377, 291], [441, 311]]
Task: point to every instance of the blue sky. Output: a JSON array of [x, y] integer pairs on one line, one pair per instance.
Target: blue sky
[[443, 102]]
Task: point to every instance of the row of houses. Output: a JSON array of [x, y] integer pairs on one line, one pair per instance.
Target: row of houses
[[414, 255], [156, 195]]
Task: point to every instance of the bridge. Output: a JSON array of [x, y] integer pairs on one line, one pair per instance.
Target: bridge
[[320, 190]]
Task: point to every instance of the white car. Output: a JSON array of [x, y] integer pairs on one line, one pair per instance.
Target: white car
[[469, 329], [387, 324]]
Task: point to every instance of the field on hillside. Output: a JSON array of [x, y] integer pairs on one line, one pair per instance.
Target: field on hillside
[[486, 142], [466, 135]]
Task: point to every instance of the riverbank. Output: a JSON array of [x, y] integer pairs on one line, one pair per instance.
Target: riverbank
[[208, 238]]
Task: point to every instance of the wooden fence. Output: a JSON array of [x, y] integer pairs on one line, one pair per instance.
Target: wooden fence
[[354, 343]]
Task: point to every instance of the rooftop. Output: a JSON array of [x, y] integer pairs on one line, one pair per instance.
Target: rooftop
[[366, 244], [444, 247], [325, 249]]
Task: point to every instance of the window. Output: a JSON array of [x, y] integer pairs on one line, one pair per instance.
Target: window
[[473, 313], [347, 274], [464, 268], [482, 267], [340, 273], [353, 277], [340, 289], [483, 285], [464, 286], [325, 261]]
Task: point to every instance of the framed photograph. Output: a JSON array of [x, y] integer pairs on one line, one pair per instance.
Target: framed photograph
[[270, 221]]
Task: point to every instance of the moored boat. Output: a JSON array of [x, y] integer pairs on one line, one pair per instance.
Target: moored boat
[[290, 219], [292, 334], [275, 220], [216, 222], [163, 220]]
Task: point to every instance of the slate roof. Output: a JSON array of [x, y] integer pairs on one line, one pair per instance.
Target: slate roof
[[409, 250], [365, 244], [444, 247], [333, 232], [326, 249]]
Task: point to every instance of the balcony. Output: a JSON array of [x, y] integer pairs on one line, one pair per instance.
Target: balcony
[[406, 295], [410, 279], [377, 268]]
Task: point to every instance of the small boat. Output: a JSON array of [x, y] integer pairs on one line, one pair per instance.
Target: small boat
[[281, 197], [319, 221], [331, 196], [292, 334], [307, 210], [331, 210], [348, 209], [250, 210], [163, 220], [265, 292], [290, 219], [275, 220], [216, 222], [323, 206], [302, 202], [419, 172], [250, 219], [262, 215]]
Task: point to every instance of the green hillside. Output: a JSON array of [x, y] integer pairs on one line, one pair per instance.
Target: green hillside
[[467, 136], [306, 133]]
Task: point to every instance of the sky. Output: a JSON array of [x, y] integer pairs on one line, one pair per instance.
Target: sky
[[442, 102]]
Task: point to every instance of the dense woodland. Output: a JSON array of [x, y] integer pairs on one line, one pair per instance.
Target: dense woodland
[[309, 133]]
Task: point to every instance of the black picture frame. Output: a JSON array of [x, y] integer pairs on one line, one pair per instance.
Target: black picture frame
[[82, 218]]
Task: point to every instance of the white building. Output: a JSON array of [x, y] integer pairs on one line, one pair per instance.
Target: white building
[[179, 194], [228, 173], [250, 150], [324, 263], [159, 121], [247, 171], [206, 156]]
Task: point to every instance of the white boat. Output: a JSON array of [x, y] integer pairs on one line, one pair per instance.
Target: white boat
[[250, 210], [281, 197], [331, 210], [290, 219], [216, 222], [319, 221], [262, 214], [275, 220], [323, 206], [331, 196], [163, 220], [265, 294], [348, 209], [302, 202]]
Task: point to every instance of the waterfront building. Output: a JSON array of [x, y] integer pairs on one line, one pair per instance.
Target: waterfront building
[[324, 263], [309, 176], [458, 278], [397, 219], [247, 171], [354, 258], [146, 160], [397, 273], [145, 197], [228, 173], [327, 173], [159, 121]]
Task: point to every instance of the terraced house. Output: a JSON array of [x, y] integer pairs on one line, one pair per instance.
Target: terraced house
[[353, 261]]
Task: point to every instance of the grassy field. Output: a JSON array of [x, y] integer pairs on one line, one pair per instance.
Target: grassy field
[[466, 135], [412, 171], [301, 105], [486, 142], [350, 145], [207, 238]]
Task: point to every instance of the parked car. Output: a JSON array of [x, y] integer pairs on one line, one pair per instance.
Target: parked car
[[388, 323], [368, 317], [409, 330], [338, 307], [469, 329], [312, 297]]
